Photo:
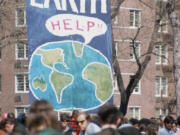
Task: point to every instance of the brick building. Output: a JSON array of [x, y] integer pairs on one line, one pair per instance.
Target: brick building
[[151, 96]]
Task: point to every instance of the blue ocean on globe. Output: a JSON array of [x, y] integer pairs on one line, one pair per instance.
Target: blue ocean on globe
[[79, 92]]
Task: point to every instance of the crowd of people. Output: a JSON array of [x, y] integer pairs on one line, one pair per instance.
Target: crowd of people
[[42, 120]]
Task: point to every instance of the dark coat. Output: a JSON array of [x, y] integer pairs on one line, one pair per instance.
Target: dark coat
[[19, 129], [129, 131], [108, 131]]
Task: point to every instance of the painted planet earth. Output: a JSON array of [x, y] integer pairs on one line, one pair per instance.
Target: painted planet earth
[[71, 75]]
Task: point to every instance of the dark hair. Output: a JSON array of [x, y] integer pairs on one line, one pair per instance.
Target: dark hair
[[9, 121], [168, 119], [129, 131], [11, 116], [145, 121], [178, 120], [2, 124], [64, 117], [75, 113], [134, 121], [108, 113]]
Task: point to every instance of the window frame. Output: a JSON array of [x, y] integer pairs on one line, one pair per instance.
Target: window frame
[[25, 83], [137, 86], [132, 22], [163, 23], [17, 18], [137, 48], [116, 20], [159, 86], [24, 107], [161, 111], [25, 50], [134, 112], [162, 58]]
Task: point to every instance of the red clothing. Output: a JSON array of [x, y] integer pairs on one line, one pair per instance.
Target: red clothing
[[2, 132], [74, 125]]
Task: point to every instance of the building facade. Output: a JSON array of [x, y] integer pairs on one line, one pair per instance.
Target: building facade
[[154, 95], [150, 97]]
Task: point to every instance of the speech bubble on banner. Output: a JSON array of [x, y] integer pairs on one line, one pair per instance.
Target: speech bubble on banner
[[68, 24]]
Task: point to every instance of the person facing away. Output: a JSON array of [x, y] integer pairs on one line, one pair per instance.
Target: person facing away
[[167, 129], [42, 120], [110, 118], [134, 122], [86, 126]]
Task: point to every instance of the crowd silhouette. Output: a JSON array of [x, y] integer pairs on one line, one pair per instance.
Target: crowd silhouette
[[42, 120]]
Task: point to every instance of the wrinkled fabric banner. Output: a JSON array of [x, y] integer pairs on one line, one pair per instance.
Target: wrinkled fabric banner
[[70, 51]]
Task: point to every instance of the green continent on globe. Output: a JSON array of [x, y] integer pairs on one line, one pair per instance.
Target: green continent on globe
[[78, 48], [39, 83], [101, 76], [51, 57], [59, 81]]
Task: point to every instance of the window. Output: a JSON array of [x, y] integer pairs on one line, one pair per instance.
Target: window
[[22, 50], [116, 47], [161, 54], [134, 112], [161, 86], [137, 50], [163, 26], [22, 83], [137, 88], [20, 110], [160, 111], [115, 84], [135, 18], [20, 17], [116, 20]]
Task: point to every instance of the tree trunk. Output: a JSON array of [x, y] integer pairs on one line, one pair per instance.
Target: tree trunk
[[176, 40]]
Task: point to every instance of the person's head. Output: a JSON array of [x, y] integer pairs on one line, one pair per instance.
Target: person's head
[[75, 113], [8, 125], [109, 114], [152, 129], [38, 122], [11, 116], [40, 106], [174, 126], [64, 117], [41, 116], [83, 120], [168, 121], [134, 122]]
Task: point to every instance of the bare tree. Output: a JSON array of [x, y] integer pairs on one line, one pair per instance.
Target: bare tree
[[141, 64], [173, 8]]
